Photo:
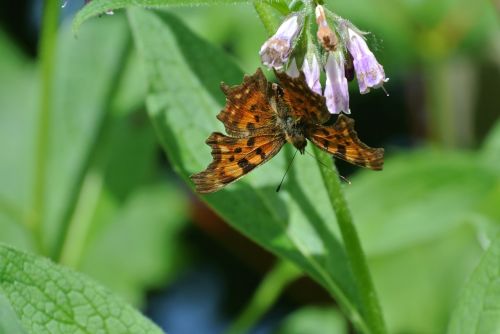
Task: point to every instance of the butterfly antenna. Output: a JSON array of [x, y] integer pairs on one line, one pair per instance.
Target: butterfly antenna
[[325, 165], [286, 172]]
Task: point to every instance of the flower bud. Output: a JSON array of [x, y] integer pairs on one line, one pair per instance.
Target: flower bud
[[326, 36]]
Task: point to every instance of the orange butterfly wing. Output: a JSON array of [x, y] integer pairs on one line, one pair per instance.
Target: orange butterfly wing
[[247, 110], [253, 137], [233, 158], [303, 101], [342, 141]]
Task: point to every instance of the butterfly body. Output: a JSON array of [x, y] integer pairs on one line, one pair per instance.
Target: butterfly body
[[293, 129], [260, 117]]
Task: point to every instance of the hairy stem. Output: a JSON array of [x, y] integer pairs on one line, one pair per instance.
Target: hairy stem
[[370, 306], [47, 53]]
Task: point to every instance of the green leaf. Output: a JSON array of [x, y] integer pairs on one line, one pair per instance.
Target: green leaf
[[9, 322], [490, 152], [478, 310], [430, 274], [48, 298], [416, 198], [421, 223], [314, 319], [98, 7], [140, 239], [297, 223], [86, 79], [116, 201], [18, 98]]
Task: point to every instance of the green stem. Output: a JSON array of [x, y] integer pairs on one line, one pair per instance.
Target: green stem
[[266, 295], [370, 306], [47, 52], [81, 221]]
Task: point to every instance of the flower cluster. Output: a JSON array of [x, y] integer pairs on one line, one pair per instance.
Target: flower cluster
[[337, 48]]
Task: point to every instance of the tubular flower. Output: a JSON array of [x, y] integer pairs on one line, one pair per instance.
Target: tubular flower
[[369, 72], [336, 90], [338, 48], [276, 50], [311, 71]]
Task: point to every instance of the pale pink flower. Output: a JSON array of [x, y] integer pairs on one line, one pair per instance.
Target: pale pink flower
[[369, 72], [276, 50], [336, 90]]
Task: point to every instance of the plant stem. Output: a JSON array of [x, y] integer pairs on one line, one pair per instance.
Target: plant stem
[[370, 306], [47, 52], [266, 295]]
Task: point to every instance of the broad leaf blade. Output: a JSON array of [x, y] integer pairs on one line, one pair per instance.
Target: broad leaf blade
[[478, 310], [48, 298], [140, 239], [419, 196], [85, 81], [18, 97], [297, 223], [98, 7], [423, 211]]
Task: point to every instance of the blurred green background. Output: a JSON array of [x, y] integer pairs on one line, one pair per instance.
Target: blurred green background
[[424, 221]]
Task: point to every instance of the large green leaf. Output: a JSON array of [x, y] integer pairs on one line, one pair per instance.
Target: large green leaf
[[48, 298], [98, 7], [140, 239], [18, 97], [297, 223], [117, 212], [478, 310], [418, 196], [86, 79], [421, 222]]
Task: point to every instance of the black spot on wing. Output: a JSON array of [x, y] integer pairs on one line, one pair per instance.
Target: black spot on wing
[[261, 152], [325, 143], [245, 165], [251, 141], [341, 149]]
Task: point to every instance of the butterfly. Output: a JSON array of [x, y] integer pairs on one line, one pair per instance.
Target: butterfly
[[260, 117]]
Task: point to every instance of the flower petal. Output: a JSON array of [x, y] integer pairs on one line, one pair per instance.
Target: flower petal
[[369, 72], [312, 72], [336, 90], [276, 50]]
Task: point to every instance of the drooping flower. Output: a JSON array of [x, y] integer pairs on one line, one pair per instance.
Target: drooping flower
[[336, 89], [276, 50], [312, 72], [369, 72]]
